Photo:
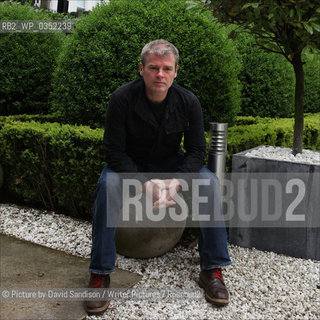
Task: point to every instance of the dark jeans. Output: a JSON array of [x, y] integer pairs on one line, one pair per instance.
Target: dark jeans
[[212, 240]]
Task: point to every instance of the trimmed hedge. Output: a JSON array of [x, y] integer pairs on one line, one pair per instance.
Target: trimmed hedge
[[31, 117], [52, 165], [273, 132], [57, 166], [27, 62], [104, 51]]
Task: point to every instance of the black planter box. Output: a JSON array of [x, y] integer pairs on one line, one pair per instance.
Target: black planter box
[[301, 241]]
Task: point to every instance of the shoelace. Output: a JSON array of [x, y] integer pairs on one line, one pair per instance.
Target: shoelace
[[216, 273], [96, 280]]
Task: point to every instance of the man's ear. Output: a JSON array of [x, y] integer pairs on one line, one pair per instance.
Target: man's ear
[[176, 71], [141, 69]]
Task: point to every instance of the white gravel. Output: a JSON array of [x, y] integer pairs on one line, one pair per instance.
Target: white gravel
[[262, 285], [285, 154]]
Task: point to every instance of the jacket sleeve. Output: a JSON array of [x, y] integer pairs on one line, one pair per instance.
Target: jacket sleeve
[[194, 140], [114, 140]]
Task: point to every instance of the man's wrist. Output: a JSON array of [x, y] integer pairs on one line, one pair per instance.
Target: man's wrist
[[177, 184], [145, 185]]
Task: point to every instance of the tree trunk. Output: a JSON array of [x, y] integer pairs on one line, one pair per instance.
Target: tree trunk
[[298, 104]]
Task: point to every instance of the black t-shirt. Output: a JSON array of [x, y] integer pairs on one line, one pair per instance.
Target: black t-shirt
[[158, 109]]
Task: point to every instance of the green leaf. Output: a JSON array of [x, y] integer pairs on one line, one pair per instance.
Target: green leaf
[[192, 4], [254, 5], [306, 50], [291, 13], [270, 15], [299, 13], [316, 27], [308, 27], [314, 18]]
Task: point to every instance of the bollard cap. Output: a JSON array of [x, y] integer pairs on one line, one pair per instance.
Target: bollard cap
[[218, 126]]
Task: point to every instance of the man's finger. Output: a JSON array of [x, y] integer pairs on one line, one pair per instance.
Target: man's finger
[[159, 183], [162, 204]]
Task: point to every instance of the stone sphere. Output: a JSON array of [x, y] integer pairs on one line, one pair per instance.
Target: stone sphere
[[148, 238]]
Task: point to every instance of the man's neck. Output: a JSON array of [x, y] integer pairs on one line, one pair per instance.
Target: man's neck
[[156, 98]]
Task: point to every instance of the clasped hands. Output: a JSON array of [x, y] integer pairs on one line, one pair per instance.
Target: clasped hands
[[162, 192]]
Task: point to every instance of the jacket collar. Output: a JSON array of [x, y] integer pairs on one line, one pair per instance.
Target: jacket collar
[[142, 108]]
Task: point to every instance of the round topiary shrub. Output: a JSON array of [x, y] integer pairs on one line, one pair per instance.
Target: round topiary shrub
[[267, 81], [311, 99], [104, 51], [27, 61]]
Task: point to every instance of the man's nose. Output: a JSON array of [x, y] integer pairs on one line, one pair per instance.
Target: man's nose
[[160, 72]]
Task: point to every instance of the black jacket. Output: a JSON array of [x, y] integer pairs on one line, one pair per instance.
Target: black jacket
[[133, 136]]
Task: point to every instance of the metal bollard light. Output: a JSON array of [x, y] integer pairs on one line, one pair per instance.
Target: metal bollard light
[[218, 148]]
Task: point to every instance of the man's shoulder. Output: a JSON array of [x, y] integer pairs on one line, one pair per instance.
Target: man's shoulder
[[184, 93], [129, 88]]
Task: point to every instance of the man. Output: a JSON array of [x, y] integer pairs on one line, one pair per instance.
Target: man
[[145, 122]]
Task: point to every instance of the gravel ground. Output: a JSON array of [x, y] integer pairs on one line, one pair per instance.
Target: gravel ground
[[262, 285], [285, 154]]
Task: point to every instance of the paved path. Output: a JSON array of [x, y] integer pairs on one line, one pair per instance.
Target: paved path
[[27, 265]]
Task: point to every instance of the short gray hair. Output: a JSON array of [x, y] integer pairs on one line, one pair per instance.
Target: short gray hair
[[161, 48]]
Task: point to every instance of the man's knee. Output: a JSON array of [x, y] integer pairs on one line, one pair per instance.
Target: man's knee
[[108, 180], [213, 181]]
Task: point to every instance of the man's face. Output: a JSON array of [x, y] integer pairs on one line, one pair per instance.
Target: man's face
[[158, 73]]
